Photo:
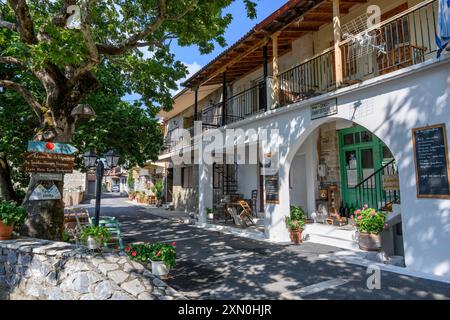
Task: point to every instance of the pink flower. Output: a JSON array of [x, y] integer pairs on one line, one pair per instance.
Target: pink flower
[[134, 253], [158, 254], [127, 249], [353, 218], [357, 212], [372, 213], [365, 206], [359, 217], [174, 243]]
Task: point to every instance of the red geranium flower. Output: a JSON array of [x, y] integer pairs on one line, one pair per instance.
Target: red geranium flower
[[158, 254], [134, 253], [174, 243], [127, 249]]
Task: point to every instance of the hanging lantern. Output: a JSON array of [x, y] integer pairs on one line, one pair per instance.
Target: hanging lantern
[[83, 111]]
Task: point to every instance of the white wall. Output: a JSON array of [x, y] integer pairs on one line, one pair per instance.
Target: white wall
[[299, 186], [247, 179]]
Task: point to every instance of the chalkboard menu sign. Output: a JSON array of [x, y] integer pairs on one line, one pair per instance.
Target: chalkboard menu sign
[[431, 158], [272, 189]]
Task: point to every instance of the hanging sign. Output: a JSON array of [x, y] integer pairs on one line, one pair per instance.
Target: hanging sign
[[324, 109], [51, 147], [431, 160], [40, 162], [391, 183], [42, 193]]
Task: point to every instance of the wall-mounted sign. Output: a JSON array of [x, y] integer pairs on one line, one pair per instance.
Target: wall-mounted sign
[[324, 109], [271, 164], [40, 162], [431, 160], [49, 177], [272, 189], [42, 193], [391, 183], [51, 147]]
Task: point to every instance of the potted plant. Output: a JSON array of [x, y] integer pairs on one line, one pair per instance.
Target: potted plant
[[210, 213], [369, 223], [139, 252], [161, 255], [95, 237], [158, 189], [11, 215], [295, 222]]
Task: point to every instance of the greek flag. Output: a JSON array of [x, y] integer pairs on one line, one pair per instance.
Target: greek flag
[[443, 29]]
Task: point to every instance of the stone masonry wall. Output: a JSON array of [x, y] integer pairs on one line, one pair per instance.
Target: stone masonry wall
[[46, 270], [329, 155]]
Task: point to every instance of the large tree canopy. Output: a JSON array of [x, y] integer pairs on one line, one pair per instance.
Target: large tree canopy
[[55, 67]]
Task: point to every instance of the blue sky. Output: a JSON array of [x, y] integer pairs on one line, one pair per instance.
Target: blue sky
[[240, 25]]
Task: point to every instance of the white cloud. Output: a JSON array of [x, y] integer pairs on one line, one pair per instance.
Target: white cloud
[[192, 69]]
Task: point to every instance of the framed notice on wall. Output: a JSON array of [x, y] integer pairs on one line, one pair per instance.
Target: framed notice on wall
[[272, 189], [431, 161]]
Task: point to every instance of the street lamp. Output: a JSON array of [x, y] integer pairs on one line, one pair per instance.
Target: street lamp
[[92, 161]]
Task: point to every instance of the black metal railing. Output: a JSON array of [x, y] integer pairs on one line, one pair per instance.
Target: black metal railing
[[371, 191], [309, 79], [246, 103], [225, 181], [401, 41]]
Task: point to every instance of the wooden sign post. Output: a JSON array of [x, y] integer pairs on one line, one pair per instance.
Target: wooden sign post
[[431, 160]]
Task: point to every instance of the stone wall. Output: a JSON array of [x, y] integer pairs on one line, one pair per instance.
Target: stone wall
[[46, 270], [328, 146]]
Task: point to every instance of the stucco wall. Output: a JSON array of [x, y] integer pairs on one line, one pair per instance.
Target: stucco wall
[[185, 199]]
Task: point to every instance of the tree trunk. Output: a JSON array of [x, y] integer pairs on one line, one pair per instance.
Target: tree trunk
[[6, 186], [45, 219]]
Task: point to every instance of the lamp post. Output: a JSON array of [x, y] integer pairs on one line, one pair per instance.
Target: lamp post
[[92, 161]]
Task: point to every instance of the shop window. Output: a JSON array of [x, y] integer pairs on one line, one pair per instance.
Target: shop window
[[187, 177], [349, 139], [366, 136], [352, 168]]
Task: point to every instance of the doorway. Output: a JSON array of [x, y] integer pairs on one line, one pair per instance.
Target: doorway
[[362, 155]]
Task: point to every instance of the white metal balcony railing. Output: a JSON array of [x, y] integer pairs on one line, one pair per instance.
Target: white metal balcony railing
[[398, 42]]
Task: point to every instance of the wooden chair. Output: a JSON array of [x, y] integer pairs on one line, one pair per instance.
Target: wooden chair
[[246, 214]]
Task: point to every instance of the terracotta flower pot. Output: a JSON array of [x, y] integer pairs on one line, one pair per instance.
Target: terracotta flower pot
[[296, 236], [5, 231], [369, 241]]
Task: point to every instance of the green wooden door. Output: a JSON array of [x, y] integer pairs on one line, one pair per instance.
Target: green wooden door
[[360, 154]]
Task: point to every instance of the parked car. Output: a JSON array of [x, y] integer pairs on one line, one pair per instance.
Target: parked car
[[115, 188]]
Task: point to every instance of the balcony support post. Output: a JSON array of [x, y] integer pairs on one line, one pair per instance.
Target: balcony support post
[[224, 98], [337, 42], [196, 104], [276, 72], [266, 75]]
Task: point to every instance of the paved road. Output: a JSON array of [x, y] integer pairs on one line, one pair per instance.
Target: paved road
[[212, 265]]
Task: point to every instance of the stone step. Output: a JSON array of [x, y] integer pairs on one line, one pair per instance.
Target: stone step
[[331, 235]]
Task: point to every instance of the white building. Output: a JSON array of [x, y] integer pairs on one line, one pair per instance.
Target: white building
[[342, 127]]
